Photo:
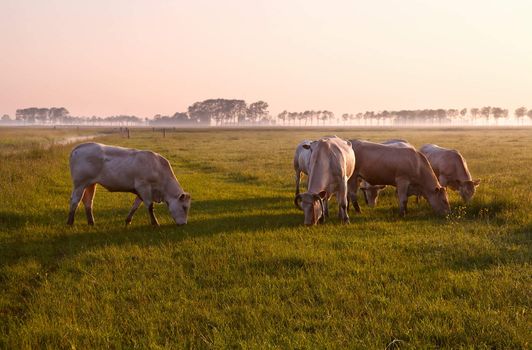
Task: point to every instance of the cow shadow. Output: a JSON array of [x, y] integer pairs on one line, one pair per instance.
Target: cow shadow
[[207, 218]]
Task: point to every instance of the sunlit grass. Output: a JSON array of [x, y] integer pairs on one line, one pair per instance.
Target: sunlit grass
[[245, 273]]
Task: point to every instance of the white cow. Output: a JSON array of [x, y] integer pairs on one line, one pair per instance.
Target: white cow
[[331, 165], [301, 161], [144, 173], [451, 169]]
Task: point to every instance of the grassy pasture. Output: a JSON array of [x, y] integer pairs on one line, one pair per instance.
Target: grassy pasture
[[244, 272]]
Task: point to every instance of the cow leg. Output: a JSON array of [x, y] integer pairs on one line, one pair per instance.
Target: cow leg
[[443, 180], [298, 181], [134, 208], [75, 198], [402, 196], [153, 219], [352, 190], [145, 193], [326, 207], [341, 198], [87, 199]]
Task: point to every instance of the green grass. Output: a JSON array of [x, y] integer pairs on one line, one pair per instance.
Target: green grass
[[245, 273], [24, 139]]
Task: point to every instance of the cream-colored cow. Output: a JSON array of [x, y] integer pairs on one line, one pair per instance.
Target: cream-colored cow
[[405, 168], [144, 173], [331, 165], [451, 169]]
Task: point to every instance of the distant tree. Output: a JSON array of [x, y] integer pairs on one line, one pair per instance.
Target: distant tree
[[463, 113], [283, 116], [529, 114], [307, 115], [292, 116], [474, 113], [200, 111], [368, 115], [359, 116], [181, 118], [257, 111], [485, 112], [5, 117], [520, 113], [385, 115], [57, 115], [452, 113], [497, 113], [346, 117], [326, 115], [505, 113]]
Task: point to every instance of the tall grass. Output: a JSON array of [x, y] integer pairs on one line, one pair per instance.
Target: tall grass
[[245, 273]]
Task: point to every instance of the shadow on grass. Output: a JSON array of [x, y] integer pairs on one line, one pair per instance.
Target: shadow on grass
[[510, 248], [81, 237], [12, 220], [216, 206], [482, 211]]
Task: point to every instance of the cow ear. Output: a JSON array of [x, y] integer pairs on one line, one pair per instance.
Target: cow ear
[[322, 194], [305, 146], [476, 182], [184, 196]]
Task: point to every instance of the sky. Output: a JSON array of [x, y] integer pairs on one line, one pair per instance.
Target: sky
[[147, 57]]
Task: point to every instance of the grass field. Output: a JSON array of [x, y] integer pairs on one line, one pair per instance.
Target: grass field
[[244, 272]]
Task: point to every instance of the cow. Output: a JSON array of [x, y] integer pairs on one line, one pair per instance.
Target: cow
[[144, 173], [331, 165], [405, 168], [451, 169], [301, 161], [371, 192]]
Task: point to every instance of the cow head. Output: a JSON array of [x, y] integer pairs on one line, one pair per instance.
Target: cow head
[[371, 193], [179, 207], [312, 206], [438, 201], [467, 189]]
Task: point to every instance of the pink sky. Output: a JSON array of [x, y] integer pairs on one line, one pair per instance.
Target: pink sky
[[148, 57]]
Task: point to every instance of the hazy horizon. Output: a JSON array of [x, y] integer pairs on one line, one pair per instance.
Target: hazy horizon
[[158, 57]]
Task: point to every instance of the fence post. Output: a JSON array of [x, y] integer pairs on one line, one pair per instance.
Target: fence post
[[128, 133], [164, 132]]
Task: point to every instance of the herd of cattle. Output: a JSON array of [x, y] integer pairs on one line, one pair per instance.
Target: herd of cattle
[[334, 167]]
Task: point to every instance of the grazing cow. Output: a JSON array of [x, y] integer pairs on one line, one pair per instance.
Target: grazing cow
[[301, 161], [144, 173], [451, 169], [405, 168], [331, 165], [371, 192]]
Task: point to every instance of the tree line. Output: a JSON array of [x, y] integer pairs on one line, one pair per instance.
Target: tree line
[[227, 112], [217, 111]]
